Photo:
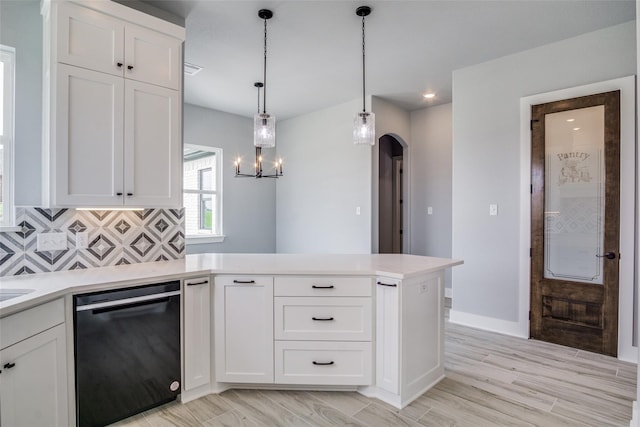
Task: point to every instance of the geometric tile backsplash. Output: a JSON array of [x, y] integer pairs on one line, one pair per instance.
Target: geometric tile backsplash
[[115, 237]]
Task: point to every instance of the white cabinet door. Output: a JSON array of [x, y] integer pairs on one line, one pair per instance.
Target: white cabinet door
[[33, 381], [153, 149], [388, 334], [197, 332], [88, 165], [90, 39], [243, 329], [153, 57]]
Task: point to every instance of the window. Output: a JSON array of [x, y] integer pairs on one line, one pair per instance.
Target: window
[[203, 194], [7, 80]]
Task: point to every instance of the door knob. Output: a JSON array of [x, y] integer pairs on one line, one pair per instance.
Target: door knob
[[608, 255]]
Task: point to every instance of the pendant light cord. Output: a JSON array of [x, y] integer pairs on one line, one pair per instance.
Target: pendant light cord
[[264, 77], [363, 68]]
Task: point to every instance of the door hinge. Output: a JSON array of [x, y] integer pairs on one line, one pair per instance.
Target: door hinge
[[529, 315], [531, 123], [530, 252], [400, 201], [531, 188], [400, 231], [401, 171]]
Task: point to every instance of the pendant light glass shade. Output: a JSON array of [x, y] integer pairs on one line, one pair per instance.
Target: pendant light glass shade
[[364, 128], [264, 130]]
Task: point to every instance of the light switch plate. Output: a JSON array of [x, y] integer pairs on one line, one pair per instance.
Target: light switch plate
[[429, 210], [493, 210], [51, 242]]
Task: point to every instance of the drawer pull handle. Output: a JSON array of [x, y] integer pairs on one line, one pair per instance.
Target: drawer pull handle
[[198, 283], [322, 287], [246, 282], [324, 319], [323, 363], [9, 365], [392, 285]]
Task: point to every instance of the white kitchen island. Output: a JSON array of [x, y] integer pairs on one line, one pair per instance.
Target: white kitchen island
[[371, 323]]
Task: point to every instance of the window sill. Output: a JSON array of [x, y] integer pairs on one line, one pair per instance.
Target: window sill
[[9, 228], [201, 240]]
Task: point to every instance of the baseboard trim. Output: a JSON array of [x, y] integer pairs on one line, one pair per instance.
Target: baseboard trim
[[492, 324]]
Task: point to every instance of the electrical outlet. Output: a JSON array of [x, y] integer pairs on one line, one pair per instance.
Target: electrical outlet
[[82, 240], [357, 210], [493, 210], [429, 210], [51, 242]]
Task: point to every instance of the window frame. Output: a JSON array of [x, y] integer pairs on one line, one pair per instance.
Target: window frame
[[217, 209], [8, 57]]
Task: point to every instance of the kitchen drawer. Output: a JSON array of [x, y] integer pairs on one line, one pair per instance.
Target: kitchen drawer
[[322, 286], [323, 363], [329, 319], [25, 324]]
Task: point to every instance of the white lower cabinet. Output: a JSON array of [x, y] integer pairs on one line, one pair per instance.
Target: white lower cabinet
[[197, 332], [409, 337], [323, 362], [243, 318], [33, 369]]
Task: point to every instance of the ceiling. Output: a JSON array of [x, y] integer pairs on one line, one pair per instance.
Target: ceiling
[[412, 47]]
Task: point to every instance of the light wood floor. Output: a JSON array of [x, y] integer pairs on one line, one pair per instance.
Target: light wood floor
[[491, 380]]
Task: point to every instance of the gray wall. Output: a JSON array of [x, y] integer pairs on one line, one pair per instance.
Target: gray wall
[[21, 28], [486, 155], [431, 176], [326, 178], [249, 205]]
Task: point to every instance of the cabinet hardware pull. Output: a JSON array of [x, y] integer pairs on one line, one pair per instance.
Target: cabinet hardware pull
[[118, 194], [393, 285], [323, 363], [322, 287], [244, 281], [119, 64], [322, 318], [9, 365], [198, 283], [129, 194], [129, 67], [608, 255]]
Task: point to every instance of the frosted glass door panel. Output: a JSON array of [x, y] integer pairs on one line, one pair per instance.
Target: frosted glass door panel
[[574, 195]]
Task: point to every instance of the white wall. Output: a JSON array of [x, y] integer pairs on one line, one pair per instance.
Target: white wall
[[248, 204], [486, 157], [431, 141], [326, 178], [21, 28], [394, 121]]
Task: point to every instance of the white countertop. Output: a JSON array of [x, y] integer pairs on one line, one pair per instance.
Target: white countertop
[[48, 286]]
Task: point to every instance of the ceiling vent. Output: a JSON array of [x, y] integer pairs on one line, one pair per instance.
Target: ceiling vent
[[191, 69]]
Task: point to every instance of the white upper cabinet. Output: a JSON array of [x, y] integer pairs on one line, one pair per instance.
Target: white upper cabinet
[[152, 130], [152, 57], [90, 39], [113, 107], [93, 40]]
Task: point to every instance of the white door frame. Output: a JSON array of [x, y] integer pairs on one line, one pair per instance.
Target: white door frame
[[626, 85]]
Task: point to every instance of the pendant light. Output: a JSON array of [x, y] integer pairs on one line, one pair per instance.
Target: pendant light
[[364, 124], [264, 124], [258, 163]]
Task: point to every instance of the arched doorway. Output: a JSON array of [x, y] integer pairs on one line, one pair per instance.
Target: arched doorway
[[390, 195]]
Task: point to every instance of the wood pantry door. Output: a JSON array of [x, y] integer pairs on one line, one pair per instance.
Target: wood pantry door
[[575, 231]]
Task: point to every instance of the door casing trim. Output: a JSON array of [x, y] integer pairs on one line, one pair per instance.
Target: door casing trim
[[627, 86]]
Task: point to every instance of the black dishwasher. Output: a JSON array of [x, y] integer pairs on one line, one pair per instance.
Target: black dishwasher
[[127, 351]]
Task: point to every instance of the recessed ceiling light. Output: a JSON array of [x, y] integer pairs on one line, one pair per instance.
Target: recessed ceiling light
[[571, 120], [429, 95], [576, 128]]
